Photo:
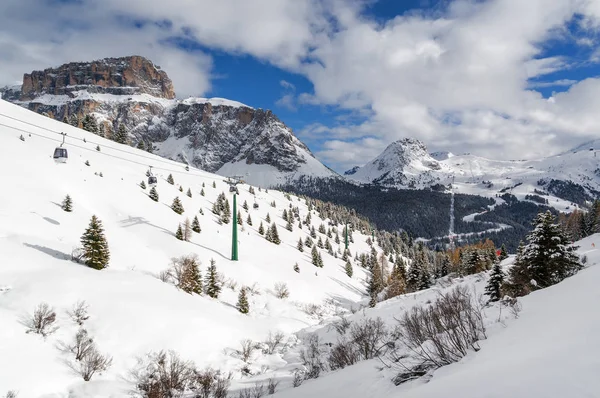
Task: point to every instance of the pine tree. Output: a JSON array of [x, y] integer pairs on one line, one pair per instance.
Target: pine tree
[[320, 243], [297, 268], [143, 185], [547, 258], [179, 232], [180, 188], [212, 281], [121, 137], [65, 119], [189, 193], [245, 205], [349, 270], [98, 148], [308, 242], [95, 246], [214, 184], [275, 234], [177, 206], [313, 233], [153, 194], [269, 234], [89, 124], [140, 145], [170, 179], [102, 130], [284, 215], [494, 284], [74, 120], [202, 192], [226, 214], [261, 229], [196, 225], [249, 220], [316, 257], [242, 304], [191, 279], [289, 226], [240, 221], [67, 204], [87, 163], [300, 246], [268, 219]]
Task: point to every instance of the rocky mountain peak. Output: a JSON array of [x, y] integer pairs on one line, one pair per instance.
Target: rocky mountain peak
[[125, 76]]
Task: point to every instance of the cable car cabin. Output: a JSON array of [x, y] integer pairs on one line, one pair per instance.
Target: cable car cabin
[[60, 155], [152, 180], [232, 189]]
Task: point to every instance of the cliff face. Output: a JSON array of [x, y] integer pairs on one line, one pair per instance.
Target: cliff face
[[128, 75], [216, 135]]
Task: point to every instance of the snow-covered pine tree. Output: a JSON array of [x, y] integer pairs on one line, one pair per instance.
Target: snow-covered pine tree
[[153, 194], [202, 192], [308, 242], [268, 218], [121, 136], [98, 148], [290, 226], [214, 185], [284, 215], [275, 234], [300, 245], [176, 206], [74, 120], [503, 253], [196, 225], [170, 179], [226, 213], [548, 257], [95, 246], [261, 229], [249, 220], [315, 256], [179, 232], [297, 268], [313, 233], [320, 243], [191, 279], [494, 285], [67, 204], [349, 270], [140, 145], [211, 285], [143, 185], [242, 304], [102, 130], [189, 192], [187, 230], [180, 188], [240, 220]]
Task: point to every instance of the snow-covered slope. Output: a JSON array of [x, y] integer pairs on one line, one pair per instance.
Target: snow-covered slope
[[407, 164], [550, 351], [131, 311]]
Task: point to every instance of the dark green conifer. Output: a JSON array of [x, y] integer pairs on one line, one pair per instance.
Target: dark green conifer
[[95, 246]]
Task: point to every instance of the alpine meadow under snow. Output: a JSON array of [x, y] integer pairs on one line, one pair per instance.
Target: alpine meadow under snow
[[275, 312]]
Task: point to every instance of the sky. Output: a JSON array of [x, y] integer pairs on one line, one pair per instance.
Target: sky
[[505, 79]]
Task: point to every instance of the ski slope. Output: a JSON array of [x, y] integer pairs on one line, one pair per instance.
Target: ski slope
[[131, 311], [551, 350]]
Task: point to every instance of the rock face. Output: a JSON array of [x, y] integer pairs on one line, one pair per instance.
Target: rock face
[[216, 135], [128, 75]]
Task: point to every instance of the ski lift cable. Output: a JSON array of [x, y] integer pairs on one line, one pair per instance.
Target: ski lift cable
[[86, 141], [107, 154]]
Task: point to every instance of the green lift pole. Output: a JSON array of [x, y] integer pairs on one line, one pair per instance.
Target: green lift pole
[[234, 240]]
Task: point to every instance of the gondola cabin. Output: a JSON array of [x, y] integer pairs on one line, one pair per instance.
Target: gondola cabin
[[152, 180], [60, 155]]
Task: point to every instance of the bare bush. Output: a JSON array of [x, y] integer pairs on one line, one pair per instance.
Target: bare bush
[[162, 374], [281, 290], [514, 305], [11, 394], [91, 363], [273, 341], [368, 336], [247, 348], [43, 320], [343, 354], [231, 284], [210, 383], [258, 391], [312, 359], [77, 254], [314, 310], [81, 346], [441, 333], [79, 312], [272, 386], [165, 276], [254, 289], [341, 326], [298, 377]]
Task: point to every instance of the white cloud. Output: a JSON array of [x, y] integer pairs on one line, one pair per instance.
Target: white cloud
[[287, 101], [555, 83]]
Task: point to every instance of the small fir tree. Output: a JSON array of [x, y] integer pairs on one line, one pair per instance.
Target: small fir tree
[[143, 185], [214, 184], [153, 194], [180, 188], [179, 232], [170, 179], [297, 268], [87, 163], [67, 204], [95, 246], [176, 206], [349, 270], [249, 220], [202, 192], [189, 192], [274, 234], [239, 218], [493, 287], [289, 226], [242, 304], [212, 287], [121, 136], [98, 148], [300, 245], [196, 225], [261, 229], [141, 145], [268, 218], [245, 206], [503, 253]]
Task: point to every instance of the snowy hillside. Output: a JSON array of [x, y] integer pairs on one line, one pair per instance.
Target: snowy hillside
[[407, 164], [131, 311], [548, 349]]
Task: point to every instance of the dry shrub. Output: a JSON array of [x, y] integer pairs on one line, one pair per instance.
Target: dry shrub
[[81, 346], [368, 336], [312, 359], [273, 341], [281, 290], [91, 363], [43, 320], [79, 312], [162, 375]]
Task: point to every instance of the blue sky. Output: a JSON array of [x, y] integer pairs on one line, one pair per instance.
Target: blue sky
[[499, 78]]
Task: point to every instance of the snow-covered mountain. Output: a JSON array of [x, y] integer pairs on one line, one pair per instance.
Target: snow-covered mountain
[[216, 134], [131, 311], [573, 175]]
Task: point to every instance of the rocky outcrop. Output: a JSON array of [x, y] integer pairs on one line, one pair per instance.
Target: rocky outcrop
[[126, 76]]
